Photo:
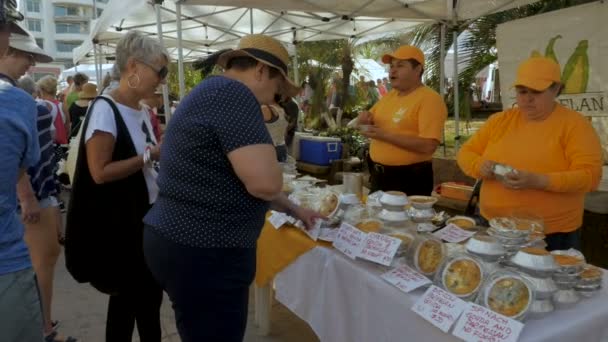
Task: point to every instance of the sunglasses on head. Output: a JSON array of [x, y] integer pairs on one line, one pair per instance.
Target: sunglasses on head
[[162, 72]]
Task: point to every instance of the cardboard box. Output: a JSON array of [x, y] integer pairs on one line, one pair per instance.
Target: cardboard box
[[456, 191]]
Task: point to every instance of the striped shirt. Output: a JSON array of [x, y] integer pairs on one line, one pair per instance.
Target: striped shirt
[[42, 175]]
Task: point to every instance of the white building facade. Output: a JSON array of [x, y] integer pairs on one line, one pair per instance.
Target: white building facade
[[59, 26]]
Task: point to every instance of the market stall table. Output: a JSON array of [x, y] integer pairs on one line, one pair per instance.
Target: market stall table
[[345, 300]]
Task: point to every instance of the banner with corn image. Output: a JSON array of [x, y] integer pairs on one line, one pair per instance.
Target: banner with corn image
[[575, 38]]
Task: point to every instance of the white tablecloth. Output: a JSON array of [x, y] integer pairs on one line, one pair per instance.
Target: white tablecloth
[[346, 301]]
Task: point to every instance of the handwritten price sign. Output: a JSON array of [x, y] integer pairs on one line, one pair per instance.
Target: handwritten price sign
[[349, 240], [439, 307], [277, 220], [481, 324], [379, 248], [405, 278], [453, 233]]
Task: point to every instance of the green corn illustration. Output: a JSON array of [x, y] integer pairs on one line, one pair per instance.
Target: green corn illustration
[[549, 52], [535, 53], [576, 73]]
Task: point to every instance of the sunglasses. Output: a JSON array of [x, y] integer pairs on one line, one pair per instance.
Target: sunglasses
[[162, 72]]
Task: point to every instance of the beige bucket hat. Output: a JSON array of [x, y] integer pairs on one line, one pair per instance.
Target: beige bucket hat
[[266, 50]]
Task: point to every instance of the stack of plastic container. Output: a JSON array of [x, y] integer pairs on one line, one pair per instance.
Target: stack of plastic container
[[571, 264], [590, 281], [537, 266]]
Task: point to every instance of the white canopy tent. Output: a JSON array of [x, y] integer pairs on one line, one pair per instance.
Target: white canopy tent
[[215, 24], [87, 69]]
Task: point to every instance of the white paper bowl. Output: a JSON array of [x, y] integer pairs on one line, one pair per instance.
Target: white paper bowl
[[541, 307], [329, 204], [394, 198], [427, 263], [485, 245], [470, 262], [506, 227], [349, 199], [569, 261], [534, 259], [370, 225], [590, 275], [422, 202], [544, 288], [522, 284], [421, 215], [393, 216], [463, 222], [565, 298]]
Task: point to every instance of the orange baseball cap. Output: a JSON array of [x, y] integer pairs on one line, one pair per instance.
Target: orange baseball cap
[[537, 73], [405, 52]]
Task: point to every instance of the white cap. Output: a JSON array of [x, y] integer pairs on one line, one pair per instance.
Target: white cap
[[27, 43]]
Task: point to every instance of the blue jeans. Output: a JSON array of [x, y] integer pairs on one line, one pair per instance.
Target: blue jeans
[[209, 287], [20, 310], [561, 241]]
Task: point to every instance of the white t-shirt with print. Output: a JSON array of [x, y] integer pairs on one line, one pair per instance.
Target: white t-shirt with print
[[102, 119]]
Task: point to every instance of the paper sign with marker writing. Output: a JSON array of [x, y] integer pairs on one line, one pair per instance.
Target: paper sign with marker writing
[[379, 248], [349, 240], [277, 220], [439, 307], [453, 233], [482, 324], [314, 232], [405, 278]]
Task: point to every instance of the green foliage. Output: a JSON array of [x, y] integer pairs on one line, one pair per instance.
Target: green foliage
[[351, 138], [191, 78]]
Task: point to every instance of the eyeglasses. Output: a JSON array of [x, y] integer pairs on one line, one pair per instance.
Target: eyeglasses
[[161, 73]]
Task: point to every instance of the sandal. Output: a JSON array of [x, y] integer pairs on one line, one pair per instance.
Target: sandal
[[52, 338]]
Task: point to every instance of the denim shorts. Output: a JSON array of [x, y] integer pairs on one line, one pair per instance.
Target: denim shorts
[[48, 202], [20, 310]]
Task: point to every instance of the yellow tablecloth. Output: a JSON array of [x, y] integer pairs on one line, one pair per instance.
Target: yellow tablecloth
[[279, 248]]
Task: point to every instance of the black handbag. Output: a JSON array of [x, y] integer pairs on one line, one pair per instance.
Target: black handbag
[[104, 228]]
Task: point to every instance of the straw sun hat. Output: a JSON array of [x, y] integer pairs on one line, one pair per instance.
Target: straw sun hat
[[89, 91], [267, 50]]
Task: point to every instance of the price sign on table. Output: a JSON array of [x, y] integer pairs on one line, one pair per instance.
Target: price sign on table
[[379, 248], [405, 278], [453, 233], [481, 324], [313, 232], [349, 240], [439, 307], [277, 219]]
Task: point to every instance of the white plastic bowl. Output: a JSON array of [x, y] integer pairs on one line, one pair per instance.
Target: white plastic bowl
[[394, 198]]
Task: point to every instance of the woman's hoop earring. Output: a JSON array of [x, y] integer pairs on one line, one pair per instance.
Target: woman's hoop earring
[[129, 81]]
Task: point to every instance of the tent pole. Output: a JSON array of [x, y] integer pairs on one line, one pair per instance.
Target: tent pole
[[180, 51], [456, 93], [95, 57], [159, 29], [251, 20], [442, 75], [296, 74]]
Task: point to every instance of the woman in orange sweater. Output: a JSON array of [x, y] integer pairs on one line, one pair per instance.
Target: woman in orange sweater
[[554, 151]]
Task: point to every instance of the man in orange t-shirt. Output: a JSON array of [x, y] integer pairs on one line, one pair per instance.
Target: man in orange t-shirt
[[405, 127], [555, 152]]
